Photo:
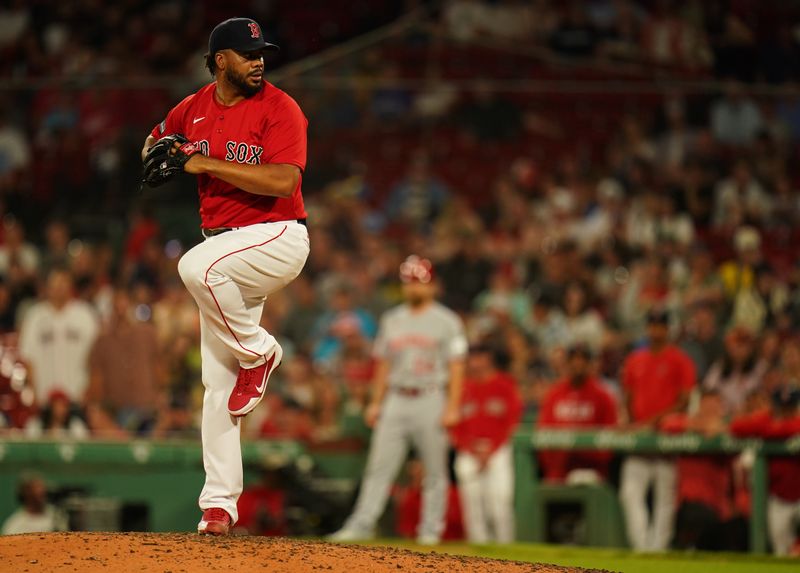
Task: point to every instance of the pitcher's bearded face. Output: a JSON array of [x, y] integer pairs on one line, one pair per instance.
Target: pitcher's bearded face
[[248, 83], [245, 71]]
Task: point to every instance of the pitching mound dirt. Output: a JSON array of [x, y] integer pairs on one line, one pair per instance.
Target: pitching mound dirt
[[191, 553]]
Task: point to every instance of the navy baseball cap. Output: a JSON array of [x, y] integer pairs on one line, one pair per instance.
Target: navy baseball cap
[[657, 316], [240, 34]]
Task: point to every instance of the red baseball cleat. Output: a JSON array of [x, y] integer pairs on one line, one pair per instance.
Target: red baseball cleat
[[216, 521], [251, 384]]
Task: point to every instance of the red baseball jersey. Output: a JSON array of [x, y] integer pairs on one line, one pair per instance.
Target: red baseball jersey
[[655, 380], [587, 406], [572, 407], [268, 127], [490, 411], [702, 479], [784, 471]]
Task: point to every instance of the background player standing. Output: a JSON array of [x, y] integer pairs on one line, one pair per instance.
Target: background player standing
[[580, 400], [490, 410], [656, 381], [420, 351], [780, 421], [247, 146]]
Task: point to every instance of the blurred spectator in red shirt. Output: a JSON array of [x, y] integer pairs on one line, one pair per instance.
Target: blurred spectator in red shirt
[[143, 228], [780, 422], [491, 406], [656, 381], [289, 421], [578, 401], [408, 504], [706, 517], [262, 506]]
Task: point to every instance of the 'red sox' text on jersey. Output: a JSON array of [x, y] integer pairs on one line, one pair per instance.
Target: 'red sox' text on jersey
[[266, 128]]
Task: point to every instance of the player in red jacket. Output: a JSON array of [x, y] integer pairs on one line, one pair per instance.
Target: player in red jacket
[[578, 401], [408, 505], [706, 517], [657, 381], [780, 422], [262, 505], [490, 409]]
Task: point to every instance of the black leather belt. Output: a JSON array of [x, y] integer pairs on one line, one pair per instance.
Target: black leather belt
[[208, 233]]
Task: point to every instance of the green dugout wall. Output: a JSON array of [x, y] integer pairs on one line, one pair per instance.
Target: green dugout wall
[[167, 475], [526, 490]]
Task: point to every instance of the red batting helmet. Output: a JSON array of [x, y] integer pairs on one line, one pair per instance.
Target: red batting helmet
[[416, 269]]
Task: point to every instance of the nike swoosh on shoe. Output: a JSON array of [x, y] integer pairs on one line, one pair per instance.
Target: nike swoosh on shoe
[[267, 371]]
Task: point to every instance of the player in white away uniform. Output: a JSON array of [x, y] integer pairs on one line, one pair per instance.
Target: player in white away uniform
[[420, 352]]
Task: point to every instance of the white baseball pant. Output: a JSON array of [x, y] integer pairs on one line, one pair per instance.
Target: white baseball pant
[[781, 516], [230, 275], [638, 474], [487, 496]]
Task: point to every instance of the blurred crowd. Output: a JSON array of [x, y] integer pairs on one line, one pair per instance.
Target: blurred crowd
[[555, 221], [743, 39], [684, 201]]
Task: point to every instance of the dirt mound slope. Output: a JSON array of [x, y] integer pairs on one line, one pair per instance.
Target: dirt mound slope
[[192, 553]]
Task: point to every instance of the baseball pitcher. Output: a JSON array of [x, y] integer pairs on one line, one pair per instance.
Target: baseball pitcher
[[245, 140]]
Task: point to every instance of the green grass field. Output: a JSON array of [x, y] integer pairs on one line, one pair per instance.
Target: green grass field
[[618, 559]]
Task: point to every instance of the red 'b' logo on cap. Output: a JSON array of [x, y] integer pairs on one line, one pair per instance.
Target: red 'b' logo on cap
[[254, 31]]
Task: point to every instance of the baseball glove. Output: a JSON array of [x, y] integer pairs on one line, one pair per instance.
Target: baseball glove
[[164, 161]]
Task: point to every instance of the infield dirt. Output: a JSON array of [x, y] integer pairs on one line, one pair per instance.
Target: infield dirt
[[191, 553]]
